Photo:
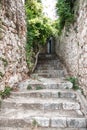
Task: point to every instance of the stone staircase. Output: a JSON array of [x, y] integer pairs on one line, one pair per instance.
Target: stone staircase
[[46, 101]]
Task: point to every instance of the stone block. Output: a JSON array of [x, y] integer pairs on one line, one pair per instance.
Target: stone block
[[58, 122], [71, 106], [77, 123], [52, 106], [43, 122]]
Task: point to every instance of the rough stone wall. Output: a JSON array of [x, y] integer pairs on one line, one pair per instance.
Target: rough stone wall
[[13, 66], [72, 45]]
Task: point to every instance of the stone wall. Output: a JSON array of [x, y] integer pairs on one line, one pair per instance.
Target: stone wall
[[13, 66], [72, 45]]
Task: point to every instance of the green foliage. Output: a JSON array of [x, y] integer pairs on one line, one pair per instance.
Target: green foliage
[[0, 103], [74, 81], [33, 9], [30, 56], [65, 13], [1, 74], [5, 62], [39, 28], [6, 92], [35, 123], [59, 94], [67, 87], [29, 87], [38, 88]]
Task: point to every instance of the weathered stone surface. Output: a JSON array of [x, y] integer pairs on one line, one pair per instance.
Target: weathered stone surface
[[12, 42], [71, 106], [46, 94], [58, 122], [72, 45], [44, 122], [28, 128], [77, 123]]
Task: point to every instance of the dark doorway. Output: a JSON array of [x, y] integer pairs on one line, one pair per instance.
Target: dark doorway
[[50, 46]]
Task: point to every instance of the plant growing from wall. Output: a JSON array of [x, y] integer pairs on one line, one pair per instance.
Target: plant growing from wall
[[29, 87], [65, 13], [5, 62], [0, 103], [35, 124], [1, 74], [74, 81], [39, 87], [6, 93]]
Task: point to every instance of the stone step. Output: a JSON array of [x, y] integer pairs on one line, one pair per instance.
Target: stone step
[[52, 62], [50, 75], [44, 83], [40, 104], [49, 62], [40, 128], [51, 71], [17, 113], [22, 118], [46, 94], [41, 66], [48, 68], [24, 121], [46, 57]]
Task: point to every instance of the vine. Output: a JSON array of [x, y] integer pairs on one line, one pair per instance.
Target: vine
[[65, 13], [39, 28]]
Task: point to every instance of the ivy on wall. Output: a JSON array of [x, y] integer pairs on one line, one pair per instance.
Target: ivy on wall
[[65, 13]]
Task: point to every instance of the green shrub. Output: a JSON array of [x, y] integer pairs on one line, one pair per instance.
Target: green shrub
[[6, 93], [59, 94], [5, 62], [35, 123], [65, 13], [29, 87], [74, 81], [1, 74], [0, 103], [39, 87]]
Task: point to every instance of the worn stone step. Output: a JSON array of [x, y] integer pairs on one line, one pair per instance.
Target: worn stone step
[[59, 74], [40, 104], [44, 83], [52, 62], [43, 66], [49, 62], [40, 121], [17, 113], [46, 56], [47, 68], [51, 71], [22, 118], [40, 128], [46, 93]]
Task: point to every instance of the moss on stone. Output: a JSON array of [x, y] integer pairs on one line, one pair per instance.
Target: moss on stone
[[5, 62]]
